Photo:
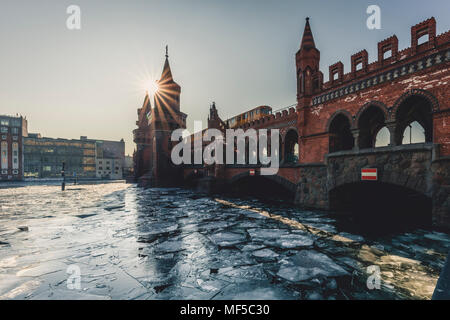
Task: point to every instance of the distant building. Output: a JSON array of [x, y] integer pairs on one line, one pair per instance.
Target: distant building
[[44, 157], [12, 131], [83, 158], [128, 167], [108, 168], [110, 159]]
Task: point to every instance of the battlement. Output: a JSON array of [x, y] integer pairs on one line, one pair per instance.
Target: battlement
[[390, 61], [280, 116], [359, 61]]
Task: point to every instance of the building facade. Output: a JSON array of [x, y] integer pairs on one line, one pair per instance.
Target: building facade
[[109, 168], [12, 133], [110, 159], [44, 157]]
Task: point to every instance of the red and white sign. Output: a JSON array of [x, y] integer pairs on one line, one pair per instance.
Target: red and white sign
[[252, 172], [369, 174]]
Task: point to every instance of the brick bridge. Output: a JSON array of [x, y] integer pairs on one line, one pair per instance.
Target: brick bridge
[[391, 114]]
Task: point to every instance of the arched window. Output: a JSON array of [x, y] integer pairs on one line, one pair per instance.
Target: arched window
[[383, 138], [414, 133], [341, 137], [291, 147], [369, 124], [414, 121]]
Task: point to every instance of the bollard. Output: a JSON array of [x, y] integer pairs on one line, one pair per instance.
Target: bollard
[[63, 185]]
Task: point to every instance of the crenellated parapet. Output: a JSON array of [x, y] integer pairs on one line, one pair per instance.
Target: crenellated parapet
[[390, 64], [272, 121]]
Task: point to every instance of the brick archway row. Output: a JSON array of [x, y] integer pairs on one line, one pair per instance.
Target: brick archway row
[[389, 112]]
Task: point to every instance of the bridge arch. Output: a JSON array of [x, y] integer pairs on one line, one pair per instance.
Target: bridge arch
[[380, 207], [370, 119], [370, 104], [291, 146], [270, 185], [339, 130], [414, 106], [190, 179]]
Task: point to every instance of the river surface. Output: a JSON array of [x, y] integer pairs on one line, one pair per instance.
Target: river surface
[[118, 241]]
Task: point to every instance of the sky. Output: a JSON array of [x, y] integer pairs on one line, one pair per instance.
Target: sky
[[238, 53]]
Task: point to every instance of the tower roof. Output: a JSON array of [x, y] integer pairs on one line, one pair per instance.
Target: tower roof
[[308, 39], [166, 75], [146, 105]]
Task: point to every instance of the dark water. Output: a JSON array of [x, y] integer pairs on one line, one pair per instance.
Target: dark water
[[133, 243]]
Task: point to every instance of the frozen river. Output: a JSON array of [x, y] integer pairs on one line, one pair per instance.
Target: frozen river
[[117, 241]]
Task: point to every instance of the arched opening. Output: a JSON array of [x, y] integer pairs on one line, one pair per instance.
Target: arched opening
[[265, 188], [341, 137], [423, 39], [191, 179], [414, 133], [382, 138], [272, 150], [414, 121], [376, 208], [291, 147], [369, 124]]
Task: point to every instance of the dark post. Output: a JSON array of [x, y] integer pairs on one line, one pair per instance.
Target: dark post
[[63, 186], [442, 290]]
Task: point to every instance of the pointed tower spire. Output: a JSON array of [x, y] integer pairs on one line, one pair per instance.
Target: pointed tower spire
[[308, 38], [147, 104], [309, 77], [166, 75], [168, 88]]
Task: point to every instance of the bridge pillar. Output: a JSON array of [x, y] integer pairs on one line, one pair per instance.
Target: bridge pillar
[[392, 127], [355, 134]]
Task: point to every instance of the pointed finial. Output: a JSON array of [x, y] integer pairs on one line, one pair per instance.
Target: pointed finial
[[307, 18], [167, 51]]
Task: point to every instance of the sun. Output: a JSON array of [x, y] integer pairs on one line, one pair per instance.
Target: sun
[[151, 86]]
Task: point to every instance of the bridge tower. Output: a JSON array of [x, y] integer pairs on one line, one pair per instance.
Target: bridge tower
[[309, 77], [162, 119], [309, 81]]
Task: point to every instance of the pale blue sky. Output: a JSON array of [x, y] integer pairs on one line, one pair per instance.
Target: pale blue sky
[[239, 53]]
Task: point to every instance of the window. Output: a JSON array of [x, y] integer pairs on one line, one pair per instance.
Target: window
[[359, 66], [4, 130], [4, 155], [423, 39], [15, 130], [15, 138], [414, 133], [47, 168], [4, 122], [3, 137], [15, 171], [387, 54]]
